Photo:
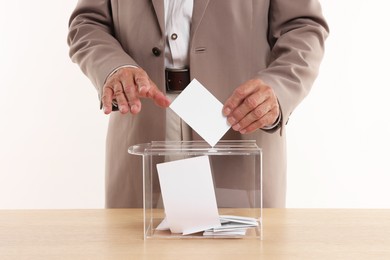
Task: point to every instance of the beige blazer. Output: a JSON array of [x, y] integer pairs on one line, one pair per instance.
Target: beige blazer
[[279, 41]]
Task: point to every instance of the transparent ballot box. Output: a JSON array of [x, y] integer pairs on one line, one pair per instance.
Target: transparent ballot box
[[235, 171]]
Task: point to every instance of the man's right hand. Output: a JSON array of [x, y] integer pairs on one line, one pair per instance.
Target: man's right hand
[[126, 86]]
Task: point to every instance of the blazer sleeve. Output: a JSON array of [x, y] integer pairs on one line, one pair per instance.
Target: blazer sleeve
[[92, 42], [297, 31]]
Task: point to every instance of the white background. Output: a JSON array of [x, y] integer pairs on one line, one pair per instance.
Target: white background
[[52, 134]]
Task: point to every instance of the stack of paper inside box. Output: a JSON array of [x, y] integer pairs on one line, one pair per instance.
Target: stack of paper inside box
[[232, 226]]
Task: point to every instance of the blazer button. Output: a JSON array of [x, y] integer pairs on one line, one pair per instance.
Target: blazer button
[[156, 51]]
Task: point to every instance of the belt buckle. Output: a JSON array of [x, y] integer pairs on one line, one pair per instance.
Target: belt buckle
[[176, 80]]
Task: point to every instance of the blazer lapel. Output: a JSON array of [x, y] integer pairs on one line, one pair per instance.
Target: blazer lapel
[[159, 10], [197, 14]]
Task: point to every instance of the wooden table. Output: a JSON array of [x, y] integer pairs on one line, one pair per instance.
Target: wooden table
[[117, 234]]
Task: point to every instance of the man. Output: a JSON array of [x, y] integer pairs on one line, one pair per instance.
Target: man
[[259, 58]]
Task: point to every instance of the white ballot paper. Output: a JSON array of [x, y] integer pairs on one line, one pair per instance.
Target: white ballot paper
[[201, 111], [188, 194]]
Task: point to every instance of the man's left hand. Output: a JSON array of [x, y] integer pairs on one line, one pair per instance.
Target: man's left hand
[[252, 105]]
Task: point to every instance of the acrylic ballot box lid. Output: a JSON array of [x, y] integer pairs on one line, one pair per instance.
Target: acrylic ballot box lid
[[236, 169]]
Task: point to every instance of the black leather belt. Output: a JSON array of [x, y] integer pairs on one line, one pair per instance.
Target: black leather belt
[[176, 80]]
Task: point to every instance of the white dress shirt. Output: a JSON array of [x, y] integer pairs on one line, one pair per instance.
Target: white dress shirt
[[178, 15]]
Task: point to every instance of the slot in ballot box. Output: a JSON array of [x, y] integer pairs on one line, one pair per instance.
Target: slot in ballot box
[[236, 171]]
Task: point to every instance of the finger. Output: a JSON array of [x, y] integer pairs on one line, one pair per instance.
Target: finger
[[143, 83], [108, 93], [254, 115], [158, 97], [147, 88], [249, 104], [267, 120], [131, 94], [120, 97], [238, 96]]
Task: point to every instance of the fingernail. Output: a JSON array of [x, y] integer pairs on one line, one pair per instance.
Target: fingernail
[[227, 111], [143, 88], [243, 131], [231, 120], [134, 108], [236, 127]]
